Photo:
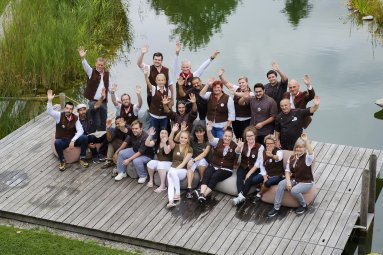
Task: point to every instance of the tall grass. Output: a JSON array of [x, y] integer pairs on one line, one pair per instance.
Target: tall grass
[[369, 7], [39, 47]]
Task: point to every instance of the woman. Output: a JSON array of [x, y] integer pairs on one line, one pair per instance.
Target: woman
[[272, 164], [164, 158], [182, 153], [222, 162], [158, 118], [251, 159], [299, 176]]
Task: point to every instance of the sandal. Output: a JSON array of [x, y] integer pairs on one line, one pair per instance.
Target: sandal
[[170, 205], [150, 184], [159, 190]]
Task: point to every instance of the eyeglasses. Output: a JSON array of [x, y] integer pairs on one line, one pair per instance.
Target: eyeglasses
[[249, 135]]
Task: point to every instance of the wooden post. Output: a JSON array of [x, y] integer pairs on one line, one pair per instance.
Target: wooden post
[[371, 199], [364, 199], [62, 100]]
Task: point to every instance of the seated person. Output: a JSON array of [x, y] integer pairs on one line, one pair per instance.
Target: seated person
[[251, 157], [299, 176], [272, 164], [182, 153], [136, 152], [69, 132], [222, 162], [164, 157]]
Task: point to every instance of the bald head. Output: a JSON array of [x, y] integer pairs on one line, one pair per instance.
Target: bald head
[[293, 87]]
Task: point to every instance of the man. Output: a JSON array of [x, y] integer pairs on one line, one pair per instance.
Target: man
[[154, 70], [289, 123], [136, 152], [115, 138], [126, 109], [69, 132], [242, 112], [220, 107], [98, 78], [275, 88], [263, 112], [89, 128], [300, 99], [184, 70]]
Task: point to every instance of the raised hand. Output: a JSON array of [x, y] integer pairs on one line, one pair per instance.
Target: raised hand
[[144, 49], [209, 126], [240, 143], [184, 126], [178, 48], [181, 81], [275, 66], [146, 70], [103, 92], [165, 100], [108, 123], [175, 127], [307, 80], [215, 54], [114, 88], [210, 81], [164, 139], [138, 89], [316, 100], [152, 131], [221, 72], [269, 153], [192, 98], [82, 52], [50, 95]]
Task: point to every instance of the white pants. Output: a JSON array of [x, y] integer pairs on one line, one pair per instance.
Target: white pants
[[201, 162], [159, 165], [174, 178]]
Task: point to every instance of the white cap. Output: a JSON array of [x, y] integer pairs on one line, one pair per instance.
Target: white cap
[[81, 106]]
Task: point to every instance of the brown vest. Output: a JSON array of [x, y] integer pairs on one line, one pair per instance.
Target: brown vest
[[248, 162], [161, 156], [65, 129], [93, 83], [129, 117], [301, 172], [156, 106], [273, 168], [153, 74], [187, 86], [241, 110], [226, 161], [217, 111]]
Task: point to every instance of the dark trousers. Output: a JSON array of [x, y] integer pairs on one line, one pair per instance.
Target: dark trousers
[[103, 148], [261, 139], [158, 124], [254, 179], [212, 176], [273, 181], [241, 174], [239, 126], [99, 115], [62, 144]]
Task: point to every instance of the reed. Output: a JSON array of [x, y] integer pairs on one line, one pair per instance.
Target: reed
[[369, 7], [38, 49]]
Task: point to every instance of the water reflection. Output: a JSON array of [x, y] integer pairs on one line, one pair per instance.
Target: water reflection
[[297, 10], [195, 21]]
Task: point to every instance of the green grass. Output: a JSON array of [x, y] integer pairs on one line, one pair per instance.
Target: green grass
[[369, 7], [15, 241]]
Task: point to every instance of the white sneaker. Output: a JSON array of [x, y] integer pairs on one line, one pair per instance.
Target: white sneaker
[[141, 180], [239, 199], [120, 176]]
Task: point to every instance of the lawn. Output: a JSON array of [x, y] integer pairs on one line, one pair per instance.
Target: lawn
[[15, 241]]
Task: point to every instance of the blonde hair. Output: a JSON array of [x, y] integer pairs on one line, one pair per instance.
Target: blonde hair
[[300, 142], [187, 145], [270, 137]]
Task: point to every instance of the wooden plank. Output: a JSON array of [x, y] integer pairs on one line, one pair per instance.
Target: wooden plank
[[320, 229], [263, 245], [327, 250], [358, 157], [299, 249], [338, 180], [351, 156], [320, 156], [250, 239], [229, 242], [327, 231], [343, 156], [363, 163], [354, 180], [318, 250], [337, 154], [289, 250], [277, 246], [242, 239], [309, 249], [332, 175], [343, 186], [353, 210], [337, 252], [256, 243]]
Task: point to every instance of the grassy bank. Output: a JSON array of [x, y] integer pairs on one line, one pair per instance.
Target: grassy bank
[[369, 7], [38, 49], [15, 241]]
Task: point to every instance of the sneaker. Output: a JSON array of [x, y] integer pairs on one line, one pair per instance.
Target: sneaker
[[189, 194], [272, 213], [95, 160], [120, 176], [101, 158], [196, 192], [62, 166], [257, 198], [114, 172], [300, 209], [238, 200], [83, 163], [141, 180], [170, 205], [202, 198], [107, 164]]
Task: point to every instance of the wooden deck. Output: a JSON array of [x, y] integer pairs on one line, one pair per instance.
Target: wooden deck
[[90, 202]]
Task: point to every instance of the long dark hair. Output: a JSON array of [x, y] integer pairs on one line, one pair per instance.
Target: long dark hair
[[200, 128]]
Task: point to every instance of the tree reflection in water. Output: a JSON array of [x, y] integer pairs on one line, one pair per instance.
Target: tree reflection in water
[[297, 10], [195, 21]]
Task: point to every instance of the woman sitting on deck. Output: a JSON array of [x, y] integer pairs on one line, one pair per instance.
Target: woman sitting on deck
[[251, 158], [299, 177], [164, 158], [182, 153], [222, 162]]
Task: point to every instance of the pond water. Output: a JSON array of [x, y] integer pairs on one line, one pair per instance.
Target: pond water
[[317, 37]]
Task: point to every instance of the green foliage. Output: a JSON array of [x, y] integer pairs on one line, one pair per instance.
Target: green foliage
[[195, 21], [369, 7], [15, 241], [39, 47]]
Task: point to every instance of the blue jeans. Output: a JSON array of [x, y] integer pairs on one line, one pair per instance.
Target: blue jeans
[[62, 144], [99, 115], [158, 124], [255, 178], [297, 190], [139, 163], [217, 132], [273, 181]]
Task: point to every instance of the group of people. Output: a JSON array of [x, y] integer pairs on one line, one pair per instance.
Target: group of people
[[212, 132]]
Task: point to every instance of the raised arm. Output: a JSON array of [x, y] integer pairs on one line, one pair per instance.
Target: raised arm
[[203, 91], [227, 84], [181, 87], [316, 102], [148, 84], [108, 133], [85, 65], [113, 90], [171, 136], [310, 89], [309, 149], [51, 112], [177, 66], [193, 100], [165, 103], [139, 98], [279, 71], [209, 128], [149, 142], [140, 60], [202, 68]]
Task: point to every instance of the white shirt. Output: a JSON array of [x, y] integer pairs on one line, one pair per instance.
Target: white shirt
[[280, 157], [197, 73], [135, 109], [88, 71], [230, 108], [235, 87], [154, 88], [170, 82], [309, 161], [56, 116], [292, 106]]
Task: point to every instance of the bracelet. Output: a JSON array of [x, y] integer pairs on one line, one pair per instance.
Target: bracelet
[[211, 58]]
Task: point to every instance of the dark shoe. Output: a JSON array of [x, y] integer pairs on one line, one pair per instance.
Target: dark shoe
[[189, 194], [202, 198], [114, 172], [83, 163], [257, 199], [95, 160], [196, 194], [62, 166], [107, 164], [272, 213], [101, 158], [300, 209]]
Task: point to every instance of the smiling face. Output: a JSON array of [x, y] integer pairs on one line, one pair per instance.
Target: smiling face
[[250, 137], [157, 61], [164, 134], [272, 79], [181, 108], [68, 109], [227, 137], [200, 134], [299, 149], [125, 100], [217, 89], [184, 138], [294, 87], [285, 106], [270, 144], [161, 80], [100, 66], [243, 84], [196, 83], [185, 67], [259, 92], [136, 130], [82, 112]]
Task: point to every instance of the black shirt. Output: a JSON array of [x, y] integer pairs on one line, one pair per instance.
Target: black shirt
[[276, 92], [137, 143], [201, 103], [87, 124]]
